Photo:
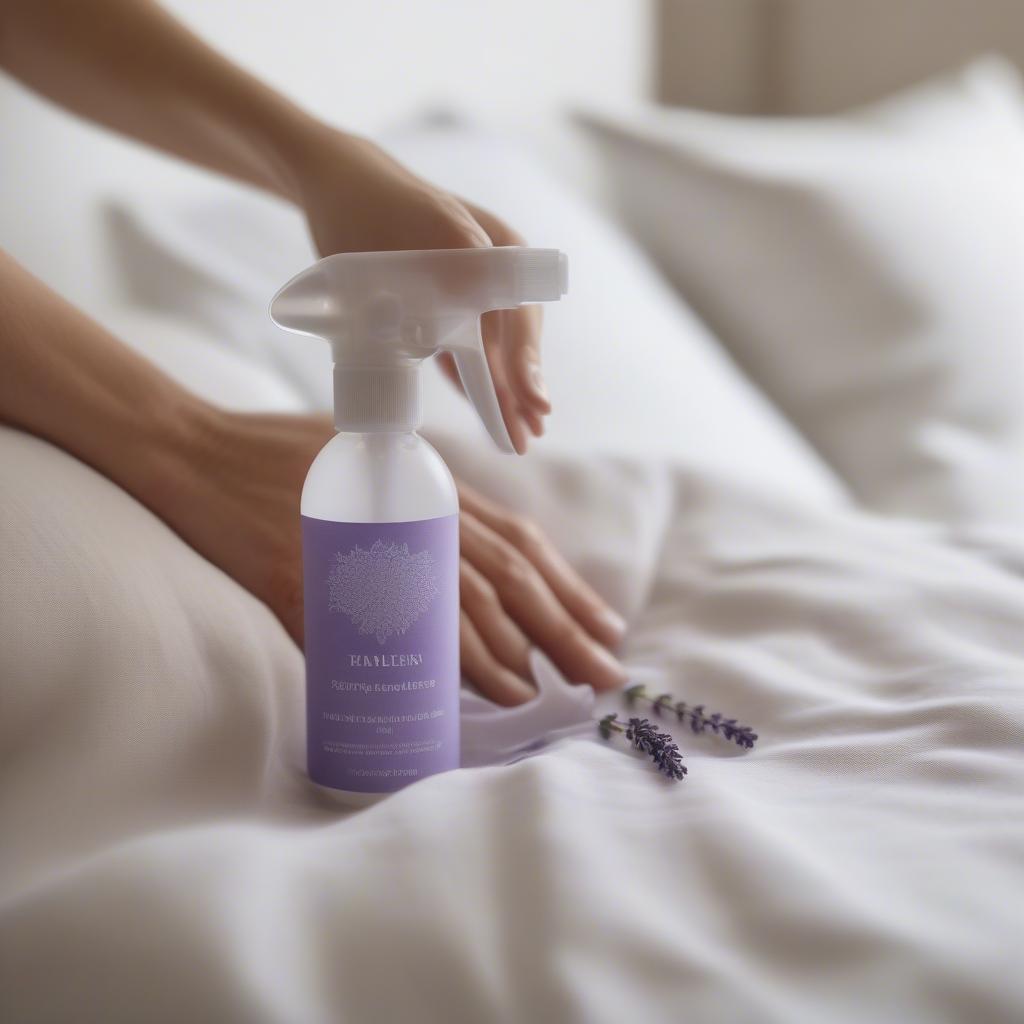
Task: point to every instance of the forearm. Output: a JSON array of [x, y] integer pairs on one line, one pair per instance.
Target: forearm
[[131, 66], [66, 379]]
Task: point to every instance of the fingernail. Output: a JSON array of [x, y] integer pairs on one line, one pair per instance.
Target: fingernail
[[517, 436], [613, 622], [525, 691], [615, 672], [537, 382]]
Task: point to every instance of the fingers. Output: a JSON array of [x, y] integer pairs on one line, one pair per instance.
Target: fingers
[[490, 677], [447, 363], [522, 357], [527, 598], [493, 332], [520, 351], [576, 596], [502, 637], [519, 336]]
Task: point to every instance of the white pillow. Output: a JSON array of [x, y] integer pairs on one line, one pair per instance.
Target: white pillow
[[867, 271], [141, 685], [210, 370], [630, 369]]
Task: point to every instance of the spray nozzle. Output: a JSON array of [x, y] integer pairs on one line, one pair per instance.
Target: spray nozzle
[[384, 312]]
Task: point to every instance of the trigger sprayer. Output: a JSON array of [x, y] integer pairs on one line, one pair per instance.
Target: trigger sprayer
[[379, 507]]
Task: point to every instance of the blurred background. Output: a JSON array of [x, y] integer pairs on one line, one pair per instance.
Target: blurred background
[[801, 207], [818, 56], [366, 66]]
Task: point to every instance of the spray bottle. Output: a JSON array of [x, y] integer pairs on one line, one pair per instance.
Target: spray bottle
[[379, 506]]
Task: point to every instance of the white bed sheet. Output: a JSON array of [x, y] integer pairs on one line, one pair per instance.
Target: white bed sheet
[[165, 860]]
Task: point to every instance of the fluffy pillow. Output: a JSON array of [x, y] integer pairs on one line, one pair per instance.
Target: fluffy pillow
[[867, 271], [629, 367], [140, 684], [212, 371]]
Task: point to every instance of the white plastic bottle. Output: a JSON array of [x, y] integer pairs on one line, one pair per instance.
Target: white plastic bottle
[[379, 506]]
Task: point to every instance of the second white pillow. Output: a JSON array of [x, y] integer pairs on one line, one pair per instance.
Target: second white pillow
[[867, 271]]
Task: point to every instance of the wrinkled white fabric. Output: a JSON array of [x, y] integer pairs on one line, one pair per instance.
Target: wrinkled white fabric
[[164, 859]]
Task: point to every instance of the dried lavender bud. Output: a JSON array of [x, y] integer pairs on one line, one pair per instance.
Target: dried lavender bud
[[659, 746], [697, 719], [633, 693], [663, 702], [699, 722], [728, 728]]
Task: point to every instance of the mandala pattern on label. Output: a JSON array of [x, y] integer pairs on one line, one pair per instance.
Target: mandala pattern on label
[[383, 589]]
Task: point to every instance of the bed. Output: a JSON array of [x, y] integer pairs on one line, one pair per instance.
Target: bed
[[795, 470]]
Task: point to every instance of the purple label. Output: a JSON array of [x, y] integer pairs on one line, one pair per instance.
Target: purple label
[[382, 651]]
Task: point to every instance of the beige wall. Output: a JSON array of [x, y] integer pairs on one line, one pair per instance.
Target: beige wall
[[816, 56]]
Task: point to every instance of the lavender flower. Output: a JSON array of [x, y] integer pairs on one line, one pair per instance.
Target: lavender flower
[[728, 728], [659, 746]]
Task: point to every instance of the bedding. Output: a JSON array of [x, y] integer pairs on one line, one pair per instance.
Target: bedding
[[164, 860], [867, 272]]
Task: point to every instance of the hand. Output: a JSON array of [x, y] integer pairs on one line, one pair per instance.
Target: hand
[[358, 199], [233, 494], [518, 592]]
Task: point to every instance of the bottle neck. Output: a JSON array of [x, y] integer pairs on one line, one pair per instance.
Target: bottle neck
[[371, 399]]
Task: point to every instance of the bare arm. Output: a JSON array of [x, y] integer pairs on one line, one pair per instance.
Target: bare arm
[[68, 380], [129, 65], [229, 484]]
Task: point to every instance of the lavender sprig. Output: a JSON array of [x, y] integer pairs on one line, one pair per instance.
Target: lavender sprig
[[727, 728], [645, 737]]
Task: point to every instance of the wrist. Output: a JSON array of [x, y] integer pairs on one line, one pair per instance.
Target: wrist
[[296, 147], [177, 434], [306, 152], [288, 143], [272, 139]]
